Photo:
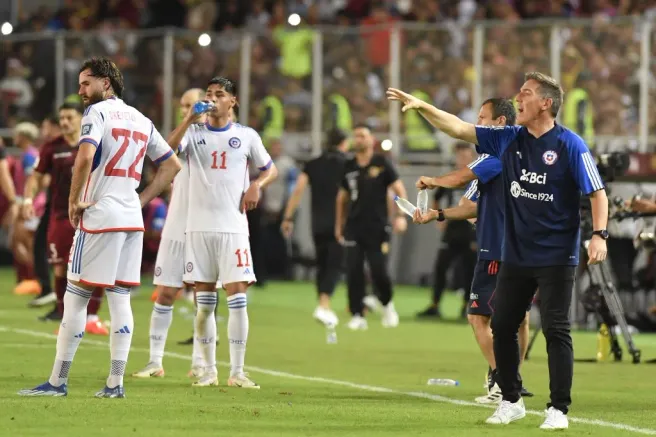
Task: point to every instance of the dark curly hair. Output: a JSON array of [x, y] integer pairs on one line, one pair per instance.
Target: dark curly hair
[[103, 67]]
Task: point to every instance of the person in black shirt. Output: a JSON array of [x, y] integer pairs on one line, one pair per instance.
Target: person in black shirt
[[458, 239], [365, 230], [323, 174]]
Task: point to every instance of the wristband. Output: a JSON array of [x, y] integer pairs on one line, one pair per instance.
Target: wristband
[[440, 215]]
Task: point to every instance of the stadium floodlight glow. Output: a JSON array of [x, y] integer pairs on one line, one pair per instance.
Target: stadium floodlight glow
[[386, 145], [294, 20], [6, 28], [204, 40]]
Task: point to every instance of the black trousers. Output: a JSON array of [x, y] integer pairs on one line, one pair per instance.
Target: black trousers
[[515, 289], [41, 267], [453, 252], [330, 260], [622, 255], [374, 250]]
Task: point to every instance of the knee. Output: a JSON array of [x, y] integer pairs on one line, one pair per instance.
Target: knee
[[504, 325], [555, 325], [166, 296], [478, 322]]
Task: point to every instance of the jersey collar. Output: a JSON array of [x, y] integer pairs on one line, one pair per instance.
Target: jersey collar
[[218, 129]]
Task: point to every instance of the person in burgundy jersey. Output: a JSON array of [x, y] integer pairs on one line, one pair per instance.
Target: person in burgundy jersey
[[49, 131], [56, 159], [154, 214], [24, 136]]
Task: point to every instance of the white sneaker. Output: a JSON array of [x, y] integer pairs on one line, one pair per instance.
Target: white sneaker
[[325, 316], [242, 381], [152, 370], [507, 412], [556, 419], [390, 316], [372, 302], [209, 379], [357, 323], [196, 372], [494, 396]]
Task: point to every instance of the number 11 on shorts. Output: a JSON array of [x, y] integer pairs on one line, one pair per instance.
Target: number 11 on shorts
[[242, 255]]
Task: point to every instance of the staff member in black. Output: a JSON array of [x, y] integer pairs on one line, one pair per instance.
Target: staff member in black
[[323, 175], [364, 230], [546, 168]]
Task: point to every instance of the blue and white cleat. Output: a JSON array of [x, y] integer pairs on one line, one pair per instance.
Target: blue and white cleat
[[116, 392], [45, 389]]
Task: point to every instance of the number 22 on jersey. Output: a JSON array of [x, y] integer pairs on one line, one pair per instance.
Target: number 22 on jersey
[[131, 172]]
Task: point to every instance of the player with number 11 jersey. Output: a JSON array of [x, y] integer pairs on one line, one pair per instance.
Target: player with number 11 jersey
[[217, 242]]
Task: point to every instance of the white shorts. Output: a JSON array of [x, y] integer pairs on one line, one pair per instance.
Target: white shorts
[[216, 256], [169, 266], [106, 259]]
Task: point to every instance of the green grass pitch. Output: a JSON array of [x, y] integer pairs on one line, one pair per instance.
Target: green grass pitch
[[371, 383]]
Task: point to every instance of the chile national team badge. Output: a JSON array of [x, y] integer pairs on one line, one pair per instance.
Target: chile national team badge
[[234, 142], [549, 157]]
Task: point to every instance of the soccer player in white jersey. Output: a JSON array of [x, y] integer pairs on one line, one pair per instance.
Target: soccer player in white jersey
[[106, 211], [217, 243], [169, 266]]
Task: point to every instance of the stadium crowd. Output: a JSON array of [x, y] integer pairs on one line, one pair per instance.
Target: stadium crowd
[[599, 64], [598, 59]]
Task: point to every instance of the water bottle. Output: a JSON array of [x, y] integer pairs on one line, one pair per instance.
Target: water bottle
[[405, 206], [331, 335], [203, 106], [438, 381], [603, 343], [422, 201]]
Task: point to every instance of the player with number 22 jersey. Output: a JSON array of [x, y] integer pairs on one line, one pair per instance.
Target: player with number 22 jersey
[[106, 210]]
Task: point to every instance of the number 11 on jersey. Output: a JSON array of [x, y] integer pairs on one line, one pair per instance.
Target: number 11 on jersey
[[217, 156]]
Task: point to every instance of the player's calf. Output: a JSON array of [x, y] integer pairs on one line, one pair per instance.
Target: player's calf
[[160, 322], [237, 326], [68, 340], [122, 327], [205, 326]]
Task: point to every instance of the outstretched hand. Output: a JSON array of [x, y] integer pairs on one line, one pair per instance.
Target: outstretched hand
[[409, 101]]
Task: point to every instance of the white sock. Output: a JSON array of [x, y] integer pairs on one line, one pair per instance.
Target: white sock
[[120, 336], [205, 328], [92, 318], [197, 359], [71, 332], [160, 322], [237, 332]]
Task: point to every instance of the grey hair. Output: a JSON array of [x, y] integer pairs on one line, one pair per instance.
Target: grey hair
[[549, 89]]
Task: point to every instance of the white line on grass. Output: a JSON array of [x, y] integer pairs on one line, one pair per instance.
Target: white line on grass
[[371, 388]]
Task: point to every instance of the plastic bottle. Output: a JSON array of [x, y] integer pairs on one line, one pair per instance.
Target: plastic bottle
[[603, 343], [203, 106], [422, 201], [438, 381], [405, 206], [331, 334]]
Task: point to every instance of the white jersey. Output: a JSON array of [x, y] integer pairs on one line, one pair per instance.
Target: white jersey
[[122, 136], [176, 218], [218, 175]]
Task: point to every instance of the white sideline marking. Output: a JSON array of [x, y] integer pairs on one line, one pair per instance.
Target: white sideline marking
[[371, 388]]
